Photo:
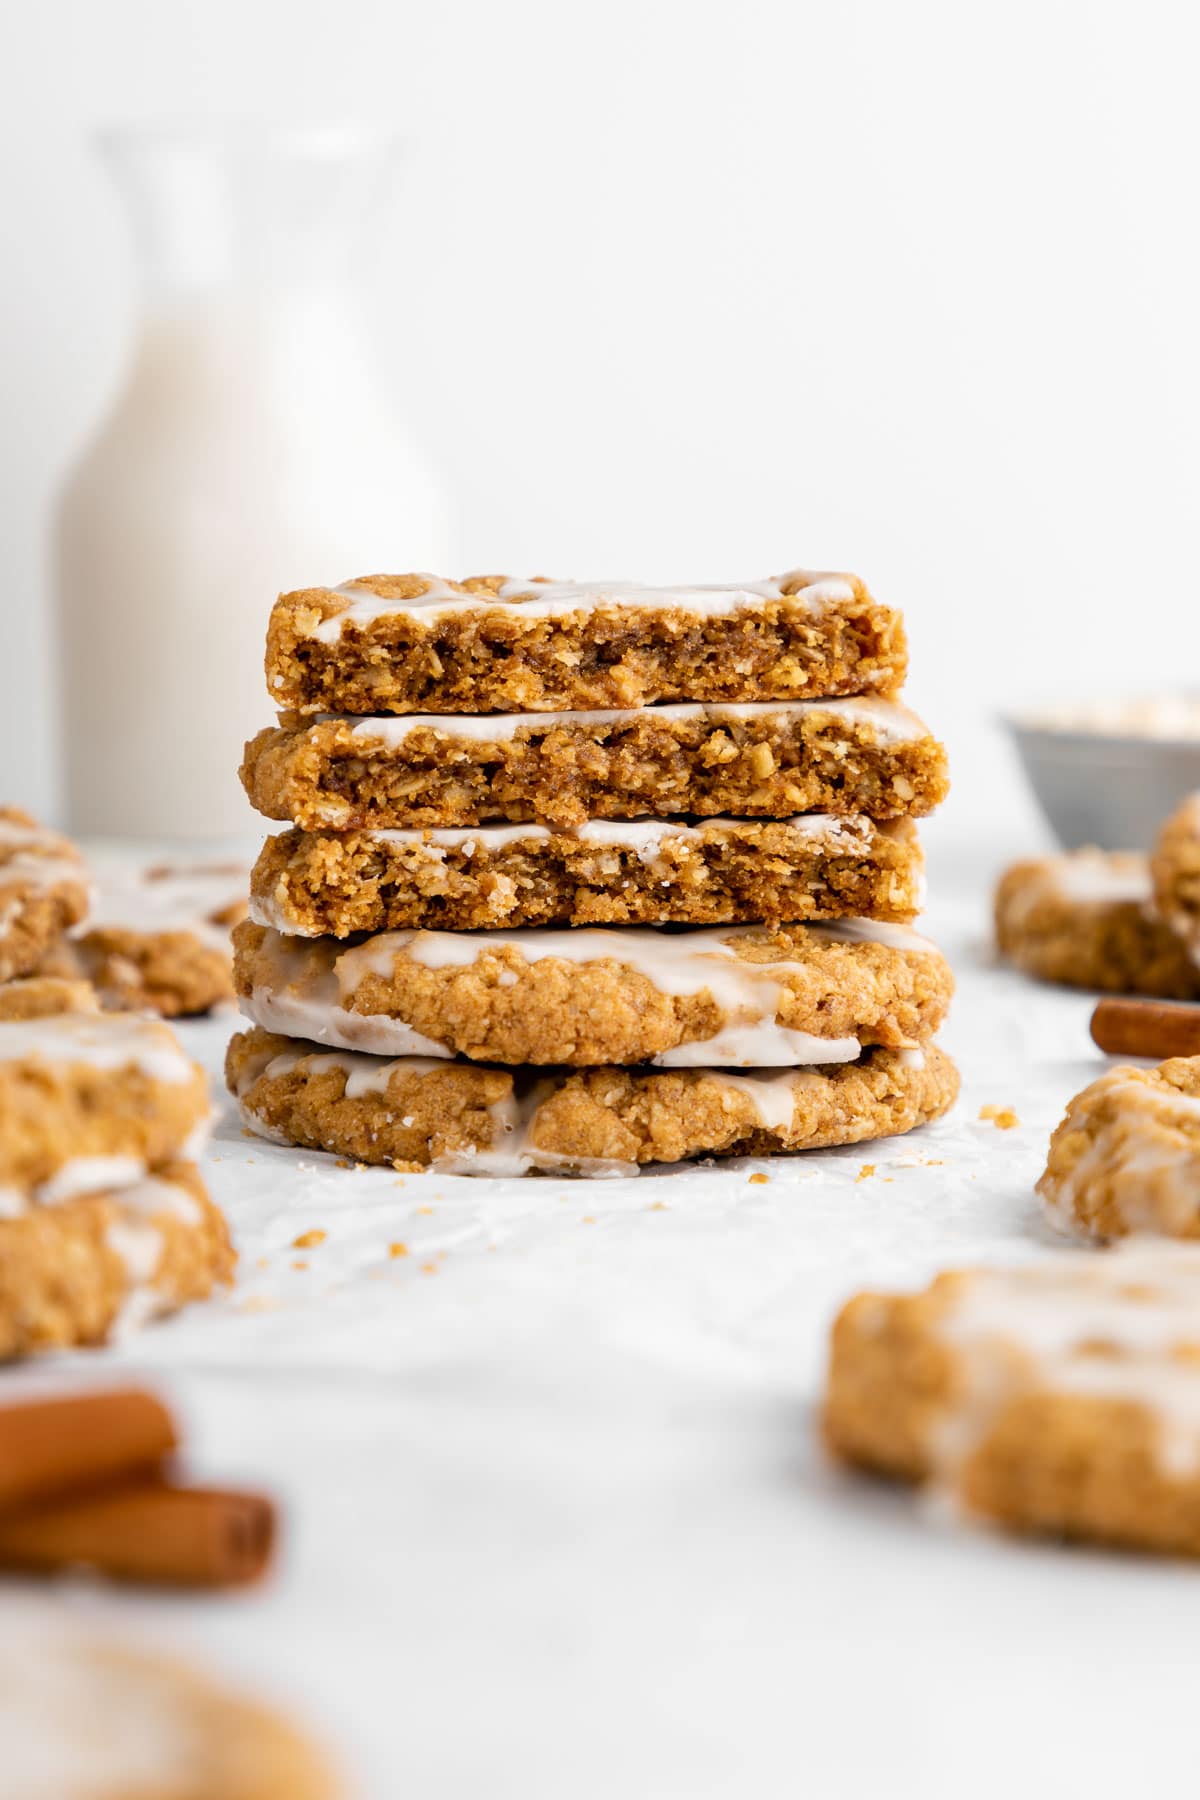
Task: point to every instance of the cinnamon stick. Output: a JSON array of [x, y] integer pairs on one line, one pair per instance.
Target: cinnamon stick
[[1157, 1028], [147, 1531], [51, 1447]]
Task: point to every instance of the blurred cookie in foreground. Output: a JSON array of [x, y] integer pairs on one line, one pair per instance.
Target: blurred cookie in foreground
[[1061, 1398], [1126, 1158], [1086, 919], [158, 938], [42, 996], [43, 891], [104, 1220], [103, 1264], [84, 1720], [1175, 868]]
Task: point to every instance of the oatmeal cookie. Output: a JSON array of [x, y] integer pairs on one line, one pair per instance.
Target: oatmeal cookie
[[744, 997], [106, 1262], [1175, 871], [81, 1720], [1085, 919], [43, 891], [157, 938], [1126, 1157], [42, 996], [1062, 1397], [416, 643], [461, 1118], [755, 760], [647, 871], [91, 1101]]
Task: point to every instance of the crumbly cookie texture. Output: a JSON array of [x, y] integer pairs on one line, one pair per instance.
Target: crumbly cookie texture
[[417, 643], [747, 996], [1085, 919], [1062, 1397], [82, 1720], [89, 1101], [645, 871], [42, 996], [43, 891], [1175, 871], [157, 937], [466, 1119], [82, 1271], [1126, 1157], [172, 973], [757, 760]]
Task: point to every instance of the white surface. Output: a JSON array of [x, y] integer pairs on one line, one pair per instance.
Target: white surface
[[557, 1523], [680, 291]]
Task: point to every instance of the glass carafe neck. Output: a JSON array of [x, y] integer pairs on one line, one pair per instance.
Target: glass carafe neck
[[243, 208]]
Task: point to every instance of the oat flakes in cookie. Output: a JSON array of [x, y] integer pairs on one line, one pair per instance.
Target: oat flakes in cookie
[[467, 1118]]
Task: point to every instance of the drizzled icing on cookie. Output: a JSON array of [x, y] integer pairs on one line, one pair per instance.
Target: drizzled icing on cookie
[[513, 1118], [310, 985], [100, 1041], [1122, 1326], [1143, 1150], [558, 599], [889, 722]]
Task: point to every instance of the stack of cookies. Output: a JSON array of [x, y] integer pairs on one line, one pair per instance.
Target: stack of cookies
[[584, 877]]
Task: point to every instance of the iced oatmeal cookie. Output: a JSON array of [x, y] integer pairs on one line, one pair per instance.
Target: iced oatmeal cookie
[[82, 1270], [1060, 1398], [1085, 919], [43, 891], [157, 938], [462, 1118], [89, 1101], [745, 997], [417, 643], [1126, 1158], [753, 760], [608, 872], [81, 1720], [1175, 871]]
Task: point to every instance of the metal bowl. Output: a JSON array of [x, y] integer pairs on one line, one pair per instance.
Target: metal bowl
[[1110, 787]]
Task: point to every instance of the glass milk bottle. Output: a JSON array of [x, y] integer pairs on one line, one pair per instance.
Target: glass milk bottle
[[249, 451]]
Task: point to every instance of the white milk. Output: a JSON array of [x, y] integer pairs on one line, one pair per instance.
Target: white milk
[[249, 452]]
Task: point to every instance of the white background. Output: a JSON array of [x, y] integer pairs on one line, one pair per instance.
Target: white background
[[701, 291]]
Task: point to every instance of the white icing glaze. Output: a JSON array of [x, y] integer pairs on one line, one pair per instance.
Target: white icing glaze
[[558, 599], [139, 1244], [106, 1041], [180, 896], [155, 1198], [40, 871], [309, 983], [1144, 1150], [846, 833], [1081, 1324], [89, 1175], [774, 1096], [890, 722], [1093, 876], [77, 1723]]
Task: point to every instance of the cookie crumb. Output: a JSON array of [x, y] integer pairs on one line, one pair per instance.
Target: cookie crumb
[[299, 1263], [867, 1170], [1002, 1117], [397, 1249], [308, 1240], [759, 1178]]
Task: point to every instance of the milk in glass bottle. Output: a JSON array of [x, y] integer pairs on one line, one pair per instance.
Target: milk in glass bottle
[[250, 450]]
